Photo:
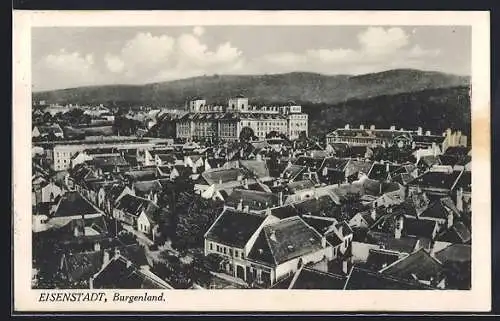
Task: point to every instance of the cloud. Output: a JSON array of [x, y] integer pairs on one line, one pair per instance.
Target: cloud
[[378, 40], [378, 49], [64, 69], [69, 62], [115, 64], [198, 31], [148, 57]]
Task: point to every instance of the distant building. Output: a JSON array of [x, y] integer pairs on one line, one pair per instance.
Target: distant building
[[226, 122]]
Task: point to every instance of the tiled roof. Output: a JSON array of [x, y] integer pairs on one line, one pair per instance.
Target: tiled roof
[[323, 206], [234, 228], [405, 244], [458, 233], [284, 211], [308, 278], [362, 279], [120, 275], [285, 240], [291, 172], [72, 204], [145, 187], [418, 264], [435, 179], [254, 199], [378, 259], [141, 175], [440, 209], [134, 205], [300, 185], [222, 175], [257, 168], [454, 253], [419, 228]]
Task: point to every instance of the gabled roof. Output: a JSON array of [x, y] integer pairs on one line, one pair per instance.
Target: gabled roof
[[320, 224], [465, 181], [362, 279], [311, 279], [296, 186], [419, 228], [222, 175], [440, 209], [293, 171], [284, 211], [454, 253], [381, 171], [141, 175], [234, 228], [257, 168], [379, 259], [418, 264], [112, 160], [285, 240], [134, 205], [73, 204], [437, 179], [120, 274], [322, 206], [405, 244], [311, 162], [458, 233], [145, 187], [254, 199]]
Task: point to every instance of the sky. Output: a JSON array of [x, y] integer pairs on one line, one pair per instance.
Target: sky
[[66, 57]]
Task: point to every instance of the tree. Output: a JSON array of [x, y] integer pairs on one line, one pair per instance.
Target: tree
[[47, 118], [273, 134], [246, 134], [303, 136]]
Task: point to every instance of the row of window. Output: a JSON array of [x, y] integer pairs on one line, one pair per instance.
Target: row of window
[[226, 250]]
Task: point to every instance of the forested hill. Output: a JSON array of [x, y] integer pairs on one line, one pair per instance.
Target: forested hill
[[301, 87], [433, 109]]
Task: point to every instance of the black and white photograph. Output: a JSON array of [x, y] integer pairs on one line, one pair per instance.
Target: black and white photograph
[[203, 156]]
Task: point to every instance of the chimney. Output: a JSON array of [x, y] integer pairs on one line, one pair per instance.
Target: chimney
[[450, 219], [240, 205], [361, 127], [373, 213], [239, 177], [220, 181], [245, 183], [460, 200], [97, 246], [117, 252], [345, 266], [393, 128], [372, 127], [105, 258], [280, 198], [419, 131], [399, 227], [427, 133], [387, 168], [76, 233], [347, 126], [246, 208], [129, 264], [273, 236]]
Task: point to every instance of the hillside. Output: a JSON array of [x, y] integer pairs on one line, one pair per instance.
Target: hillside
[[432, 109], [297, 86]]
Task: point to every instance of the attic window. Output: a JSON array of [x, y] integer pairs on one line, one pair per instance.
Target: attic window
[[311, 240], [261, 251], [290, 247]]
